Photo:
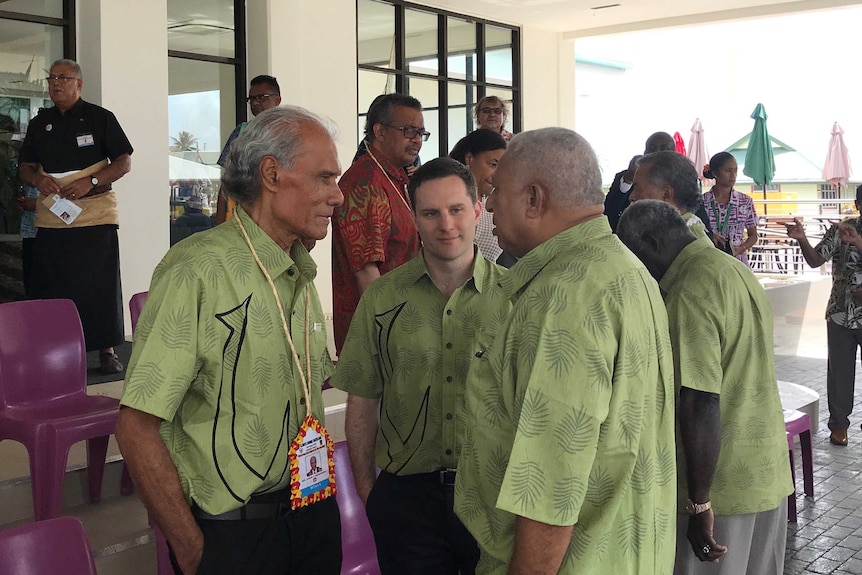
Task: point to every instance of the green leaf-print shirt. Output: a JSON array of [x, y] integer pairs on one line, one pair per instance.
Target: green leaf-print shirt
[[570, 411], [411, 347], [210, 359], [721, 329]]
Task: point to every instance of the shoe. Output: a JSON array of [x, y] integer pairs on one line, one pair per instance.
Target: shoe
[[109, 364], [838, 436]]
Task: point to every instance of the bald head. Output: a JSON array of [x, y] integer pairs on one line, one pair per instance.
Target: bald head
[[659, 142], [559, 160]]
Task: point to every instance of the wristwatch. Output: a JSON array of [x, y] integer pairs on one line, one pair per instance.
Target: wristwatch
[[95, 181], [696, 508]]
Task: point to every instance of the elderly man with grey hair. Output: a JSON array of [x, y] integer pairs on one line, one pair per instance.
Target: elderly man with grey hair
[[671, 178], [222, 406], [734, 476], [567, 460]]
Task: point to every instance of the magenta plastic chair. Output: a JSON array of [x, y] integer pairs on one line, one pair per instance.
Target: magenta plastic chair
[[357, 540], [43, 397], [799, 423], [56, 545], [163, 560]]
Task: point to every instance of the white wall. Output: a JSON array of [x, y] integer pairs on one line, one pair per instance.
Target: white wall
[[548, 78], [122, 49], [310, 47]]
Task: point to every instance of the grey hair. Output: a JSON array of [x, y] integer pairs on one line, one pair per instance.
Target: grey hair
[[647, 219], [677, 171], [276, 132], [71, 64], [562, 161]]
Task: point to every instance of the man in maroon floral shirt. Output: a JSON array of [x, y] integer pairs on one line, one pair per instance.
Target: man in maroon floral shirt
[[373, 230]]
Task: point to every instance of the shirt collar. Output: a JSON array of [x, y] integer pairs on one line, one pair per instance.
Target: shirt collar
[[416, 269], [274, 259], [398, 175], [674, 272], [73, 111], [528, 267]]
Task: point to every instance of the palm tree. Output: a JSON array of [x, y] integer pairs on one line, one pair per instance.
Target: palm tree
[[186, 142]]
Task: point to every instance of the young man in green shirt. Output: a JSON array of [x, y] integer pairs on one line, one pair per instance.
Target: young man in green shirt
[[734, 474], [406, 356], [568, 460], [216, 392]]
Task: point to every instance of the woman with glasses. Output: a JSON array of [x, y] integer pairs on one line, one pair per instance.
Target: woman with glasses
[[491, 113]]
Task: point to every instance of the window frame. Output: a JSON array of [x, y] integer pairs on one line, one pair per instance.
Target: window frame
[[401, 70]]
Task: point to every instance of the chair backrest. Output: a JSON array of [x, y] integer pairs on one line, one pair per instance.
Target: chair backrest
[[136, 305], [42, 352], [52, 546], [357, 539]]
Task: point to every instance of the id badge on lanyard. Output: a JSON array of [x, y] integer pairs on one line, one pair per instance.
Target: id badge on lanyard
[[311, 454], [312, 465]]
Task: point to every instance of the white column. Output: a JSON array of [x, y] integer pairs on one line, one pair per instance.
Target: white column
[[122, 49], [548, 79]]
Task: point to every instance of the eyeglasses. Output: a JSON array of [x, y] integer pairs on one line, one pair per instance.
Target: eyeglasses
[[260, 97], [491, 110], [60, 79], [410, 132]]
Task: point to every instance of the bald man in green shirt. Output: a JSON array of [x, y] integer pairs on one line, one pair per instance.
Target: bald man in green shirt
[[568, 461], [406, 356], [734, 473]]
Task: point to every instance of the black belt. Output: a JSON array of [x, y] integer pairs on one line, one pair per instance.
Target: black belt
[[441, 476], [266, 506]]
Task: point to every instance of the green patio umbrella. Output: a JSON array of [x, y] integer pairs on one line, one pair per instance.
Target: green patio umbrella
[[759, 159]]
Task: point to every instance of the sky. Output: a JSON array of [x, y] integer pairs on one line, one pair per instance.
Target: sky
[[197, 113], [802, 67]]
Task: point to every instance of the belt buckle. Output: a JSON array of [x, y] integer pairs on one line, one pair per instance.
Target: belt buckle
[[447, 476]]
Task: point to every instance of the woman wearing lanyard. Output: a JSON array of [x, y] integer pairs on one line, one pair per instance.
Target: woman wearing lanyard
[[731, 213]]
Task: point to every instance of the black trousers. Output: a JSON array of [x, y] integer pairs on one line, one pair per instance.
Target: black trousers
[[415, 527], [301, 542], [841, 344]]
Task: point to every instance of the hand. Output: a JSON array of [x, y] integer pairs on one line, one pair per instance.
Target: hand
[[47, 185], [77, 189], [848, 234], [718, 240], [700, 537], [795, 231], [26, 204], [629, 176], [737, 250], [410, 170], [189, 557]]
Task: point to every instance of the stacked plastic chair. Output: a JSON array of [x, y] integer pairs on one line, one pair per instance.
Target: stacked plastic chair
[[56, 545]]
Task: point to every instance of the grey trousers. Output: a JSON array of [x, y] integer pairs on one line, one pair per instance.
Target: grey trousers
[[755, 544], [841, 372]]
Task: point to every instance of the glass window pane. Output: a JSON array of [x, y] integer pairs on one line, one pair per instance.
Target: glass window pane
[[28, 52], [376, 33], [201, 114], [460, 116], [426, 92], [371, 85], [421, 41], [461, 51], [202, 27], [49, 8], [498, 55]]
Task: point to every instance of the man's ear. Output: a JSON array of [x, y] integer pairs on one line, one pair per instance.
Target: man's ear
[[268, 168], [378, 130], [537, 200]]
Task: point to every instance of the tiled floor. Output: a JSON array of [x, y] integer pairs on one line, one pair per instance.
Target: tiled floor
[[828, 535]]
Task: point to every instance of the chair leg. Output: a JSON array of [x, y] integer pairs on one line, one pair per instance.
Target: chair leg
[[807, 462], [47, 471], [127, 486], [97, 449], [791, 499]]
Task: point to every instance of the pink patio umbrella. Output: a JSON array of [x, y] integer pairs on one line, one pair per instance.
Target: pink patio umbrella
[[697, 151], [836, 170]]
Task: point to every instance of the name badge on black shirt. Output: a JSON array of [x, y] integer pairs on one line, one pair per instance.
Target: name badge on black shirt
[[85, 140]]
